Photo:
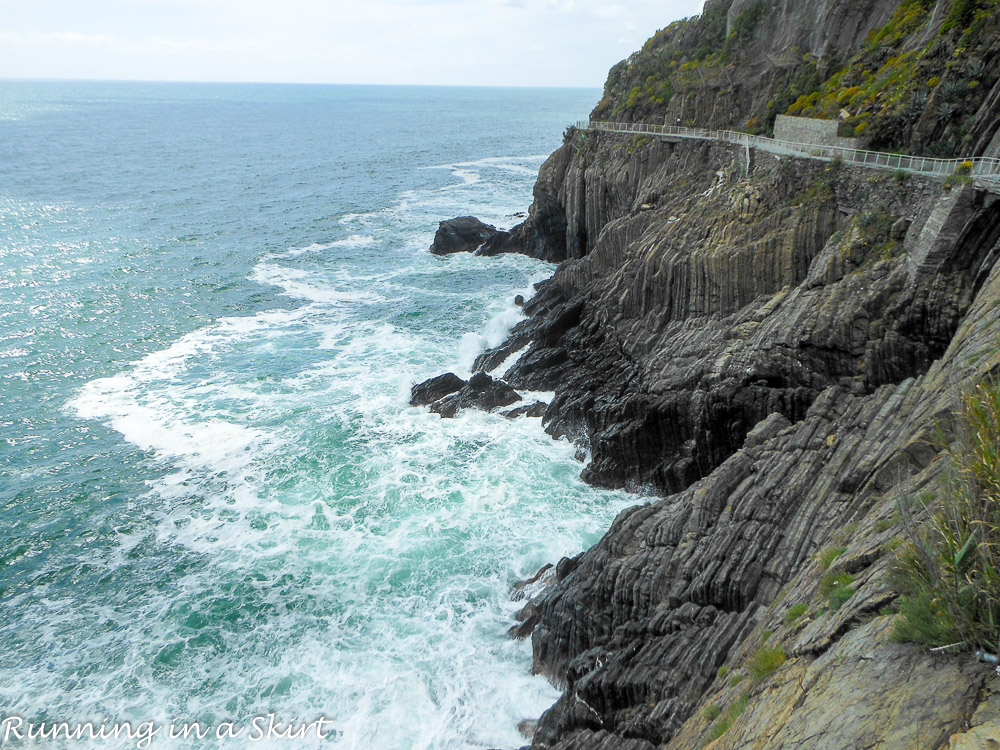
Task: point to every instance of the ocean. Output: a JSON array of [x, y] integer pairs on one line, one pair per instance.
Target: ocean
[[216, 504]]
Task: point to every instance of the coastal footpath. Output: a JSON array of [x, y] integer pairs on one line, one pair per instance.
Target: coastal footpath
[[772, 350]]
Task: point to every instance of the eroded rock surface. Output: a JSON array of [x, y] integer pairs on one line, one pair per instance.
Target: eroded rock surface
[[774, 366]]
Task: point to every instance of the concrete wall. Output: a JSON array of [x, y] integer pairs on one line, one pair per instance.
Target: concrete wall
[[808, 130]]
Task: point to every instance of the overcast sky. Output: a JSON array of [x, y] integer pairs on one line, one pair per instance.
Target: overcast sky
[[455, 42]]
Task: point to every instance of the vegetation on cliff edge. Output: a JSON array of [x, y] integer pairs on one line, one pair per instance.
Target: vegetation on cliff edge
[[914, 87], [948, 573], [916, 84]]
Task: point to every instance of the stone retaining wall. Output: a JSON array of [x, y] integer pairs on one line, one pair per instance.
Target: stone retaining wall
[[808, 130]]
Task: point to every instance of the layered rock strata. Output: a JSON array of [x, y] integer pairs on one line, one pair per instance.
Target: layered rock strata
[[766, 348], [771, 353]]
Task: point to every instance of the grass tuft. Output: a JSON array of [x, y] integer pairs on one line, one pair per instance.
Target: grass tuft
[[795, 612], [733, 711], [948, 573], [826, 556], [764, 662], [836, 587]]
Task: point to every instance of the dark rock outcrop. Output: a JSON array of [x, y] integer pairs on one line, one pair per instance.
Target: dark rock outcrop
[[464, 234], [447, 394], [687, 325], [435, 388], [742, 62], [766, 346], [770, 353], [536, 409]]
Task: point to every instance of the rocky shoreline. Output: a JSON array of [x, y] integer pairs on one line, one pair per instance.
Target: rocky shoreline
[[767, 348]]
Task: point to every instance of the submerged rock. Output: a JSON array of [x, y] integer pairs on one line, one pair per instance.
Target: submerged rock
[[481, 392], [527, 727], [537, 409]]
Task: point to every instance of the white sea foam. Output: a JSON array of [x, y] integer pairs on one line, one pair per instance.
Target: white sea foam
[[522, 165], [468, 176], [502, 368], [354, 241], [341, 554], [300, 283], [416, 657], [482, 189], [496, 329]]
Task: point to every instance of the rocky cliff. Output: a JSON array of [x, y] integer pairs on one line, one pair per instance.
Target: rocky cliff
[[765, 348], [769, 354]]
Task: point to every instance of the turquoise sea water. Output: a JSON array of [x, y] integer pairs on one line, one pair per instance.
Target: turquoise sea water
[[215, 502]]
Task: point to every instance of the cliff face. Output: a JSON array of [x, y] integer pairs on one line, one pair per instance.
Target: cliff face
[[773, 348], [765, 346], [915, 75], [708, 300]]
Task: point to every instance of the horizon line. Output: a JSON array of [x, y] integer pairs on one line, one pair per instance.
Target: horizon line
[[30, 79]]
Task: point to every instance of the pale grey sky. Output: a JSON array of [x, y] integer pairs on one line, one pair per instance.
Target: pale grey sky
[[453, 42]]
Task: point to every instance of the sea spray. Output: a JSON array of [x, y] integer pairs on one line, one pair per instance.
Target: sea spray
[[220, 505]]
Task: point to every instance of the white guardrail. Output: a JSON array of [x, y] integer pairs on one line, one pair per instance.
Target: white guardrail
[[984, 171]]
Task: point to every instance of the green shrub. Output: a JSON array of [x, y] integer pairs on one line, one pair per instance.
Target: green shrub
[[874, 225], [795, 612], [828, 555], [723, 671], [839, 596], [712, 712], [637, 142], [948, 573], [733, 711], [764, 661], [884, 524], [959, 16], [746, 22], [956, 179], [738, 706], [736, 679], [718, 729], [836, 587]]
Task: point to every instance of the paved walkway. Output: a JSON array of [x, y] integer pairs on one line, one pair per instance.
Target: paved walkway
[[985, 172]]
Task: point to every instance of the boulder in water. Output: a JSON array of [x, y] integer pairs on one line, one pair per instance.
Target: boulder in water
[[435, 388], [448, 393], [464, 234]]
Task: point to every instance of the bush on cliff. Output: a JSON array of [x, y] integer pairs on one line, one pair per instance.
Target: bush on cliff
[[948, 574], [764, 662], [911, 89]]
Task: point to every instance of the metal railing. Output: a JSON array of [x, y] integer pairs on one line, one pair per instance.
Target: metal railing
[[984, 171]]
